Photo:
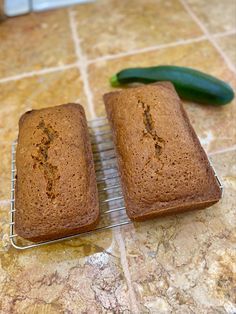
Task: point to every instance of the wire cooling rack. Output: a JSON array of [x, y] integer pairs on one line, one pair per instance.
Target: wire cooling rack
[[112, 210]]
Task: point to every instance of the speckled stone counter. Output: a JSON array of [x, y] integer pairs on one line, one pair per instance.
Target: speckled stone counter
[[178, 264]]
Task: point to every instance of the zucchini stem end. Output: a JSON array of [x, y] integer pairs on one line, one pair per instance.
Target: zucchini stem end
[[114, 81]]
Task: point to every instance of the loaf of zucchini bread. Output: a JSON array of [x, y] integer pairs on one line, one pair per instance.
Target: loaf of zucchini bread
[[56, 192], [162, 166]]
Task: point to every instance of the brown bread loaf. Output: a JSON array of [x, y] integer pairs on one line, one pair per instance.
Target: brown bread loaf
[[56, 192], [162, 165]]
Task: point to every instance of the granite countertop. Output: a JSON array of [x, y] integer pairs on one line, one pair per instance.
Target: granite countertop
[[178, 264]]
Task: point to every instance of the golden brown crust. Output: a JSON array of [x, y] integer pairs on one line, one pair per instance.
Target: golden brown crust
[[162, 165], [56, 192]]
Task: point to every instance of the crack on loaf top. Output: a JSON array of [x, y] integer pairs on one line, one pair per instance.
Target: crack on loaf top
[[159, 142], [49, 170]]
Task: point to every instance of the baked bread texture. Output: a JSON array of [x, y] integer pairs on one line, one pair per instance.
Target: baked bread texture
[[162, 166], [56, 192]]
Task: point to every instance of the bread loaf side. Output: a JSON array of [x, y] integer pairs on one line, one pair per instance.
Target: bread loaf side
[[162, 165], [56, 193]]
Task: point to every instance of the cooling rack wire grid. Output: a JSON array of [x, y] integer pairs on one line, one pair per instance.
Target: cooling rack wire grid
[[112, 209]]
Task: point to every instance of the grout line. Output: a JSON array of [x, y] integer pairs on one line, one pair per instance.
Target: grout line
[[82, 64], [124, 263], [109, 57], [227, 33], [148, 49], [223, 150], [35, 73], [208, 36], [5, 202]]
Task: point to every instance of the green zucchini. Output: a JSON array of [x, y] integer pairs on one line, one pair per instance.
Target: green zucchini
[[190, 84]]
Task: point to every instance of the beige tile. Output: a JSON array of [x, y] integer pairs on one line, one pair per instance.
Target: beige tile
[[5, 171], [214, 125], [37, 92], [77, 276], [228, 44], [216, 15], [4, 226], [35, 41], [81, 275], [185, 263], [109, 27]]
